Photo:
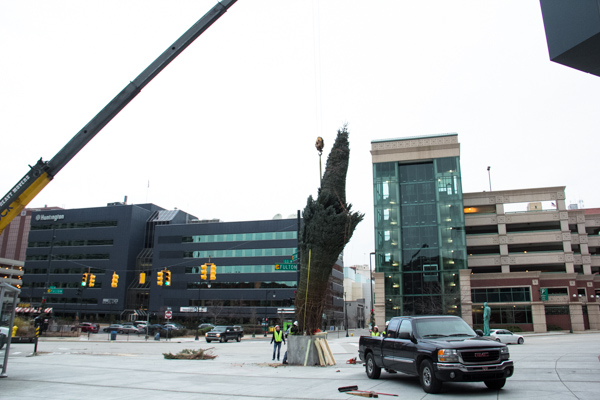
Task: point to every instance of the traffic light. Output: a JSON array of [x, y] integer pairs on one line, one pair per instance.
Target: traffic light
[[115, 280], [84, 279], [213, 272], [159, 278], [167, 277], [92, 280], [142, 277], [203, 272]]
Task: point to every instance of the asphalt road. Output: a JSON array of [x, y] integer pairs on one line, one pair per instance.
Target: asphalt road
[[559, 366]]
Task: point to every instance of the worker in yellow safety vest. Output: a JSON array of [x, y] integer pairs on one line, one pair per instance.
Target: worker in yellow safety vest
[[277, 339], [375, 331]]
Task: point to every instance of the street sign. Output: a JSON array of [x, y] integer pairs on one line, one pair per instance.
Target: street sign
[[285, 267], [168, 315], [55, 291]]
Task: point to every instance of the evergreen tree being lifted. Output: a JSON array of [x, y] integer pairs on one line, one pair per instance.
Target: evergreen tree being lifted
[[328, 226]]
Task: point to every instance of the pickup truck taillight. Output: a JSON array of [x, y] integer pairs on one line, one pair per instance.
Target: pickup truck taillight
[[447, 355]]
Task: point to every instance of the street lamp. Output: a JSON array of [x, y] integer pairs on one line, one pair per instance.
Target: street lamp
[[266, 300], [346, 313], [372, 294], [198, 310]]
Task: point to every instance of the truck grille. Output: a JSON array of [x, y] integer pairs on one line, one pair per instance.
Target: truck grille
[[480, 356]]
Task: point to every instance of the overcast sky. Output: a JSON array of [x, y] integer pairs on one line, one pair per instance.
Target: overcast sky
[[228, 129]]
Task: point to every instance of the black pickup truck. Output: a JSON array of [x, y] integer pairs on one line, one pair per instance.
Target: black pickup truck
[[436, 349], [224, 333]]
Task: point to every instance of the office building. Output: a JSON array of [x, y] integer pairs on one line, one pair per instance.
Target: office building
[[534, 259], [419, 226], [251, 283], [65, 244], [125, 247]]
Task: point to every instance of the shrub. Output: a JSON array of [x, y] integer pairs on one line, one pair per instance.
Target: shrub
[[514, 328], [174, 333], [552, 327]]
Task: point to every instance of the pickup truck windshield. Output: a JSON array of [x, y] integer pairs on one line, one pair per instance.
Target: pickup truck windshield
[[443, 327], [220, 328]]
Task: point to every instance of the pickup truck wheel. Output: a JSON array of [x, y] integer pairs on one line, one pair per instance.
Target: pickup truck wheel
[[496, 384], [222, 340], [208, 341], [373, 371], [429, 382], [237, 339]]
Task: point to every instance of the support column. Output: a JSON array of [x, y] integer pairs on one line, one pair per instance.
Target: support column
[[576, 314], [466, 302], [538, 313], [379, 293], [594, 315]]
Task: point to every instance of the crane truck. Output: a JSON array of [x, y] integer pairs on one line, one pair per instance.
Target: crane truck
[[40, 174]]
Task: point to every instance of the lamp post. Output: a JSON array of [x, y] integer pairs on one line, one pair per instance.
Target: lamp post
[[266, 300], [50, 256], [372, 294], [346, 313], [489, 177], [198, 310]]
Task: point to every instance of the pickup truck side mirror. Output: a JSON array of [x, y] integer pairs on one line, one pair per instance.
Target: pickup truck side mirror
[[479, 332], [404, 335]]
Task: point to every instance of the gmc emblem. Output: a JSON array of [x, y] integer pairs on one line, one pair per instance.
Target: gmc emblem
[[486, 354]]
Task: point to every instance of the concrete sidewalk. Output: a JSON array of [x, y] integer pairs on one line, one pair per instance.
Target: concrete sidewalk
[[553, 367]]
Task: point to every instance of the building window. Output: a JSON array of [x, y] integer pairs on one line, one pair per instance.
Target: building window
[[240, 237], [75, 225], [557, 310], [504, 315], [501, 295], [241, 253]]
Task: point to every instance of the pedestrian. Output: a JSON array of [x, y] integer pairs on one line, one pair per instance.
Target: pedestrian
[[277, 339]]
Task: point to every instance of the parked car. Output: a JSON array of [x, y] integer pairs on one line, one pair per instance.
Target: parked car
[[4, 332], [112, 327], [127, 329], [173, 325], [86, 327], [506, 336], [120, 328], [154, 328], [223, 334], [202, 326], [141, 326]]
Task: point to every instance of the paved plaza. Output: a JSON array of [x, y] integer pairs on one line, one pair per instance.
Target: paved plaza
[[552, 366]]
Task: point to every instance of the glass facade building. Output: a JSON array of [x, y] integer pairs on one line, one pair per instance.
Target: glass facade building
[[419, 225]]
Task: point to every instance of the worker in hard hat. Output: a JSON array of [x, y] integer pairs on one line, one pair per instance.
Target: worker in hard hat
[[375, 331], [277, 339], [294, 330]]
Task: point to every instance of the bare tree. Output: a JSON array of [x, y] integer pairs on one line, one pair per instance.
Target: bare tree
[[215, 309]]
